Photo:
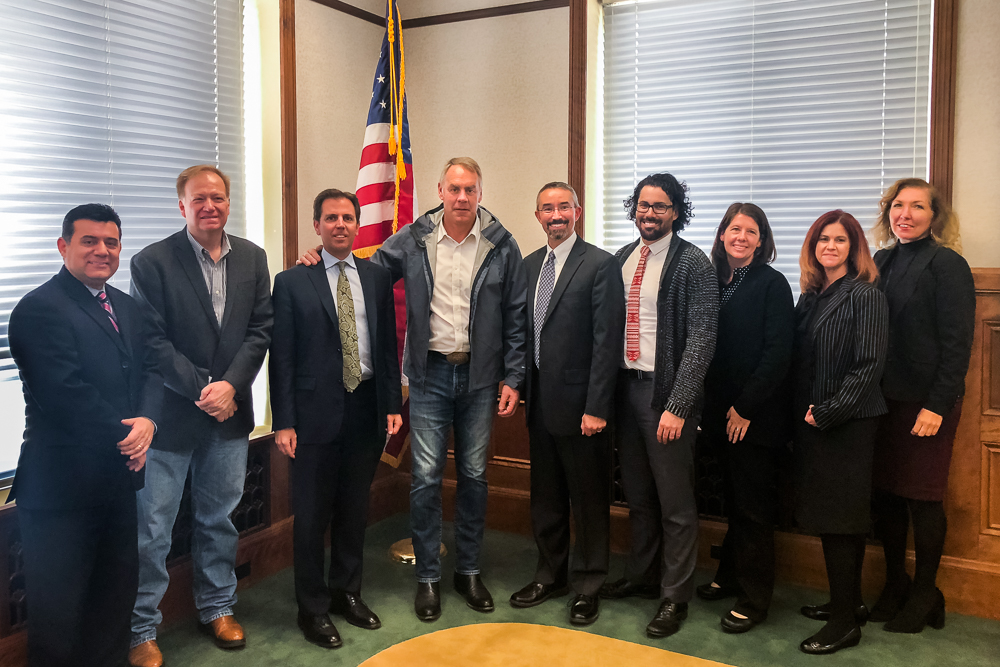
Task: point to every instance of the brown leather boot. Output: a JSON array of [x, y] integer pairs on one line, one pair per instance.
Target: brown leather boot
[[226, 632], [146, 654]]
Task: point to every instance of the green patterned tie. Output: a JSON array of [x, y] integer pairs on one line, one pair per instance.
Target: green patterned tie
[[348, 330]]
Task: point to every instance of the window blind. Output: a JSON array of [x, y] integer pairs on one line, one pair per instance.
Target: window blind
[[800, 106], [107, 101]]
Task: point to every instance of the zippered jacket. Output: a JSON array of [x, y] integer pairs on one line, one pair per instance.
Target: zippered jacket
[[497, 333]]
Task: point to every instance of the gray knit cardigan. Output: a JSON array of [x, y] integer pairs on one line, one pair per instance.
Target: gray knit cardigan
[[687, 317]]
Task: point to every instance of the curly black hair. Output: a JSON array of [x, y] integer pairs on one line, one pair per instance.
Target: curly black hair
[[676, 190]]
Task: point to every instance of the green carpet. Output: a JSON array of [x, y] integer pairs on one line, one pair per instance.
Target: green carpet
[[268, 611]]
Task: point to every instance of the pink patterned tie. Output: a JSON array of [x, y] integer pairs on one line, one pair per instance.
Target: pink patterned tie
[[103, 298], [632, 313]]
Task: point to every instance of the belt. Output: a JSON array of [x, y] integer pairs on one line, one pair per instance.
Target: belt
[[636, 374], [453, 358]]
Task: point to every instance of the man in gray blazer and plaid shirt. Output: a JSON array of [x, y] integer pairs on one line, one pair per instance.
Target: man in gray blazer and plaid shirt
[[672, 308]]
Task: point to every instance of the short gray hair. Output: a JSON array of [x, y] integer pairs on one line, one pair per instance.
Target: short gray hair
[[466, 163]]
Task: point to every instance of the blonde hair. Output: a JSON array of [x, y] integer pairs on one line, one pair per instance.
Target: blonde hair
[[466, 163], [944, 224], [191, 172]]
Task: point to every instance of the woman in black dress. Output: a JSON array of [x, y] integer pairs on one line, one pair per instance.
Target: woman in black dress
[[746, 408], [932, 302], [840, 349]]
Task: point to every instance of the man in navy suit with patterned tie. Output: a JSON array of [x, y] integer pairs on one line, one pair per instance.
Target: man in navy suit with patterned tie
[[335, 392], [91, 392]]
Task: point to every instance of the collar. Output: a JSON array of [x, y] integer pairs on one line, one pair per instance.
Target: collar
[[94, 292], [562, 250], [331, 261], [659, 245], [476, 228], [199, 248]]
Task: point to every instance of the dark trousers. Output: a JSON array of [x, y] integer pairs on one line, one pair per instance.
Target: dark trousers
[[81, 575], [747, 560], [330, 486], [570, 474], [658, 481]]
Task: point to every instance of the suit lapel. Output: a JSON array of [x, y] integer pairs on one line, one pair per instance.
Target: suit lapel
[[368, 291], [573, 263], [835, 302], [317, 274], [533, 266], [237, 272], [124, 316], [189, 263], [90, 305]]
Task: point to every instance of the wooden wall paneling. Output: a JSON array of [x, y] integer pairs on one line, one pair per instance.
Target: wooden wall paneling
[[351, 10], [289, 136], [943, 75]]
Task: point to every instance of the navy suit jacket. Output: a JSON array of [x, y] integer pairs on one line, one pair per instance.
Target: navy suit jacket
[[80, 379], [307, 362], [581, 339], [191, 346]]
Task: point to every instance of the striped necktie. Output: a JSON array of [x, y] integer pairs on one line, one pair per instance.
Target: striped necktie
[[546, 283], [632, 311], [102, 296]]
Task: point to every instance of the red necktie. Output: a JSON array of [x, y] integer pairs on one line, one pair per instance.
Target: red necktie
[[632, 313], [103, 298]]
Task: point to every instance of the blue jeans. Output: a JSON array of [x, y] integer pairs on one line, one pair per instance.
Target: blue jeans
[[218, 468], [443, 401]]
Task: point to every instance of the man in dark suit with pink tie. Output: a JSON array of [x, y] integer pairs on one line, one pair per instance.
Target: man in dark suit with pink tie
[[91, 392]]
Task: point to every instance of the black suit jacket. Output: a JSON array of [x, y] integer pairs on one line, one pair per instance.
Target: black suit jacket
[[581, 339], [849, 341], [191, 347], [306, 364], [753, 354], [80, 379], [932, 319]]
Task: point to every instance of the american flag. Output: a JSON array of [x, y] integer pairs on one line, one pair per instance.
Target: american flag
[[385, 180]]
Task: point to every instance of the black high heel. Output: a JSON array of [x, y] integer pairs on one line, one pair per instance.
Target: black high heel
[[821, 612], [890, 602], [916, 614]]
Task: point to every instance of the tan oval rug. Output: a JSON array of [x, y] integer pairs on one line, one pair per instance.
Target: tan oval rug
[[525, 645]]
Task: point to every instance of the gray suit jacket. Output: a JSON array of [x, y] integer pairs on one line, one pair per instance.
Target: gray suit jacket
[[191, 347]]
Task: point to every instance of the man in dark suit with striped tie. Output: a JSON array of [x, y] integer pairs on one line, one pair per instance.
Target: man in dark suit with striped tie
[[576, 318], [335, 392], [91, 392]]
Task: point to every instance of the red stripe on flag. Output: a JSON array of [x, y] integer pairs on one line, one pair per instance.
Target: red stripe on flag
[[370, 235], [373, 153], [375, 193]]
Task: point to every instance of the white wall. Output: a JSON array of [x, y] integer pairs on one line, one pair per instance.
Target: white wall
[[335, 58], [493, 89], [977, 130]]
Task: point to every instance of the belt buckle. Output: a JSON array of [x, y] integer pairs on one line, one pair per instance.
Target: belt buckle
[[457, 358]]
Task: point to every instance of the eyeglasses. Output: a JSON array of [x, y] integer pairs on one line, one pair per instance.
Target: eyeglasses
[[658, 207], [548, 209]]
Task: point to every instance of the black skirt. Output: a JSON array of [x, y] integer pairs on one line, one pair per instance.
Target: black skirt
[[834, 476]]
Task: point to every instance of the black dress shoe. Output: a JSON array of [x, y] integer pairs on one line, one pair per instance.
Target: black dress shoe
[[355, 611], [814, 646], [472, 588], [890, 601], [584, 610], [623, 588], [668, 619], [713, 593], [734, 625], [821, 612], [319, 630], [535, 594], [427, 604]]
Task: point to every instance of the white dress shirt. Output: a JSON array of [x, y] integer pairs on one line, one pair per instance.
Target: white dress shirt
[[562, 252], [647, 299], [360, 315], [450, 303]]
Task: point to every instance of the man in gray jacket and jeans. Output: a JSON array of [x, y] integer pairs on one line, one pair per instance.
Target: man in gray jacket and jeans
[[465, 333]]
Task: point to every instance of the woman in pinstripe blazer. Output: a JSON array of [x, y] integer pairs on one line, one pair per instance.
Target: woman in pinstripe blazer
[[840, 349]]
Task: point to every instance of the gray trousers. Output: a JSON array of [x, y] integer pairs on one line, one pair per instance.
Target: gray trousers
[[659, 487]]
